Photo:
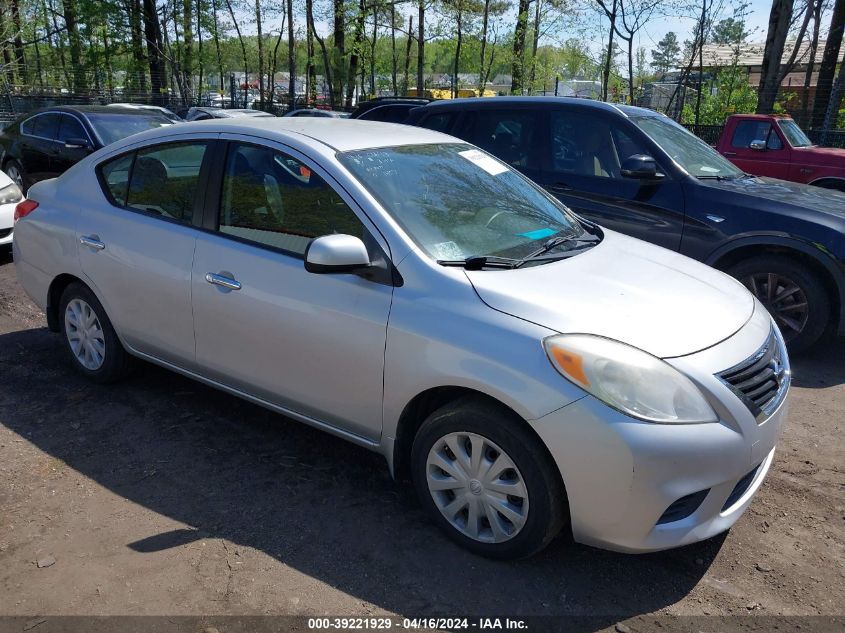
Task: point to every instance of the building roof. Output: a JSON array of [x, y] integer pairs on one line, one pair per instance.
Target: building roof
[[751, 54]]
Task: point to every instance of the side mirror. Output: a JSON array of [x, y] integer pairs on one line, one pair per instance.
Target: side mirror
[[77, 143], [640, 166], [758, 145], [336, 254]]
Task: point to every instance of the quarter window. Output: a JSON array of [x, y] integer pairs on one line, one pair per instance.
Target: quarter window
[[274, 200], [44, 126], [115, 175]]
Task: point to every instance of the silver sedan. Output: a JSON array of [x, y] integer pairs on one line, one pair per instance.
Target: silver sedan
[[529, 371]]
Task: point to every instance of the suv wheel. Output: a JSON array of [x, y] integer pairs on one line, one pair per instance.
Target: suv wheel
[[487, 481], [89, 337], [793, 295]]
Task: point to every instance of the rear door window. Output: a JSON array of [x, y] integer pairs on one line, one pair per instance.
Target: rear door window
[[115, 177], [507, 134], [439, 122]]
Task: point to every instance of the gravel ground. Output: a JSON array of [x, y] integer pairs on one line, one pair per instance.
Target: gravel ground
[[162, 496]]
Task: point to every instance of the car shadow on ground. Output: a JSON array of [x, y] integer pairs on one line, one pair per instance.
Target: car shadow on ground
[[329, 509], [822, 366]]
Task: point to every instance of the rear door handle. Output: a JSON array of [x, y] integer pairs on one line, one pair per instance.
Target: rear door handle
[[92, 241], [221, 280]]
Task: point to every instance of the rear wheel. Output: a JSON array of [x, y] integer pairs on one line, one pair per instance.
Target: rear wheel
[[15, 172], [89, 337], [793, 295], [487, 481]]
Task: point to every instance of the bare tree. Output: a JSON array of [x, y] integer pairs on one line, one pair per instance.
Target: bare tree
[[827, 67], [518, 63]]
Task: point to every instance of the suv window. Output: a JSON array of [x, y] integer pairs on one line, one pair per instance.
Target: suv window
[[589, 146], [45, 126], [164, 180], [749, 130], [71, 128], [508, 135], [439, 122], [387, 113], [272, 199]]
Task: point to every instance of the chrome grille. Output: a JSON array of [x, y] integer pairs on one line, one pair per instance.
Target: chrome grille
[[762, 380]]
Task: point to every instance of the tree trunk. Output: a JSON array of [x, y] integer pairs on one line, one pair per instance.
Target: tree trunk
[[605, 80], [217, 44], [310, 70], [534, 45], [420, 47], [373, 53], [292, 57], [199, 48], [354, 58], [457, 54], [779, 21], [20, 58], [393, 70], [808, 74], [243, 46], [138, 80], [701, 35], [59, 45], [72, 26], [827, 67], [484, 25], [260, 54], [152, 34], [517, 67], [188, 50], [326, 63], [406, 78], [339, 53]]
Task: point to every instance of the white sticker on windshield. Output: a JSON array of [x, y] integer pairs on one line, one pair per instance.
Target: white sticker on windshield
[[711, 170], [492, 167], [447, 250]]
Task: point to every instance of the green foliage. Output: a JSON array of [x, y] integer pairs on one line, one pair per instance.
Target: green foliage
[[732, 95], [667, 53]]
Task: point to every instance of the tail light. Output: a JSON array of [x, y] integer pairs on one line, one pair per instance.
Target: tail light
[[25, 208]]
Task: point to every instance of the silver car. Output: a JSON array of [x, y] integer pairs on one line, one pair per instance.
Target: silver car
[[529, 371]]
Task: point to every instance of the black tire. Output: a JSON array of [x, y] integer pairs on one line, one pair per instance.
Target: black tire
[[24, 183], [116, 362], [548, 510], [818, 308]]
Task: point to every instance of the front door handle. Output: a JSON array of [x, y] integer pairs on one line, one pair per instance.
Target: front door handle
[[221, 280], [93, 241], [559, 187], [729, 153]]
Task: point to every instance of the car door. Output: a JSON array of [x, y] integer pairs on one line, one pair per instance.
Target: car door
[[137, 244], [310, 343], [65, 157], [582, 167], [38, 144], [772, 161]]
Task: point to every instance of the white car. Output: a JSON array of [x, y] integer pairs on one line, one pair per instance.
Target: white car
[[10, 196], [530, 371]]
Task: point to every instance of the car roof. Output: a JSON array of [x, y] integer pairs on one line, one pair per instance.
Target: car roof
[[498, 102], [318, 132], [102, 109]]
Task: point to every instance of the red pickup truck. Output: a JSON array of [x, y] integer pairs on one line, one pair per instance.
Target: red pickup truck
[[774, 145]]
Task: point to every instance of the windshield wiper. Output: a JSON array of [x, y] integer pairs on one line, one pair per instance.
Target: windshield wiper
[[715, 177], [560, 241], [481, 261]]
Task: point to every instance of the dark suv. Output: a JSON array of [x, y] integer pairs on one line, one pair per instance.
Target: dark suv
[[387, 109], [638, 172]]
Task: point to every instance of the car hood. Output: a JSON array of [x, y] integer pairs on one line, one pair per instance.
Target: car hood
[[783, 192], [832, 156], [625, 289]]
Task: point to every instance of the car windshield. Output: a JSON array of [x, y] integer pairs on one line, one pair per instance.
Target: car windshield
[[695, 156], [114, 127], [794, 134], [458, 202]]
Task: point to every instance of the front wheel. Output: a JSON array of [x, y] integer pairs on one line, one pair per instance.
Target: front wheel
[[89, 337], [793, 295], [487, 481]]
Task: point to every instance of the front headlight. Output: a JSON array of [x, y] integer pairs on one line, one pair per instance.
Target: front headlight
[[628, 379], [10, 193]]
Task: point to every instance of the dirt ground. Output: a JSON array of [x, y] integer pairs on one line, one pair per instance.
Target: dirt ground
[[162, 496]]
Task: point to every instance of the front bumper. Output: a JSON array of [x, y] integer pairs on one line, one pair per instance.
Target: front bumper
[[622, 475], [7, 221]]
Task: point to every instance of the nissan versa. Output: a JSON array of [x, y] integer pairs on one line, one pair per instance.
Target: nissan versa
[[530, 371]]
